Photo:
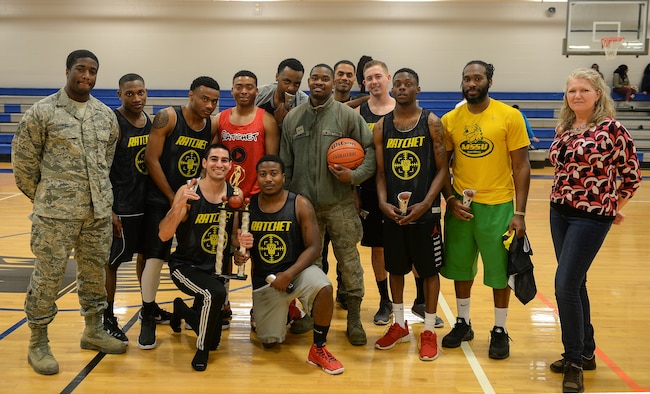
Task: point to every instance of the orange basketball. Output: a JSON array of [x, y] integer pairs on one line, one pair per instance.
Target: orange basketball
[[345, 152]]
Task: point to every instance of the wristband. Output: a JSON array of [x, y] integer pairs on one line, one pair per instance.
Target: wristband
[[447, 199], [520, 213]]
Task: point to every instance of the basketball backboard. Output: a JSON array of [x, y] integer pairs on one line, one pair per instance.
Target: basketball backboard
[[590, 20]]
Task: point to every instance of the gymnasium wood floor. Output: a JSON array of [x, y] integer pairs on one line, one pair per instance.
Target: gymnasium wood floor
[[617, 282]]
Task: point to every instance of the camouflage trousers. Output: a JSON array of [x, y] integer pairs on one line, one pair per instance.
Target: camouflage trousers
[[344, 228], [52, 241]]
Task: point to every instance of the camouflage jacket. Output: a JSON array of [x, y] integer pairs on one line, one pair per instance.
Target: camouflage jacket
[[61, 158]]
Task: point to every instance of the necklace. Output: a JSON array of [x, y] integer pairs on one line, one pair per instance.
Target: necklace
[[578, 129]]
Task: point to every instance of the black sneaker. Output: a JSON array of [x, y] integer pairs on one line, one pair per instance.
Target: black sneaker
[[114, 330], [382, 317], [161, 316], [461, 332], [499, 343], [588, 364], [147, 338], [573, 379], [419, 310]]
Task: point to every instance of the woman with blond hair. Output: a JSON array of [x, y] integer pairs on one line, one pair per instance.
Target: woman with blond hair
[[589, 151]]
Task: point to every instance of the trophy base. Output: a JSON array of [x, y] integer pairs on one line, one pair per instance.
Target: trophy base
[[233, 276]]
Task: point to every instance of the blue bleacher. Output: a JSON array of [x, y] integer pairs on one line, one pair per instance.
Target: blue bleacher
[[438, 102], [5, 143]]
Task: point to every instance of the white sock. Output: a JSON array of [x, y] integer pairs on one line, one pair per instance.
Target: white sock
[[151, 279], [429, 321], [398, 313], [462, 305], [227, 286], [500, 317]]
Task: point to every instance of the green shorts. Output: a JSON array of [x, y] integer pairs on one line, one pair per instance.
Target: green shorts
[[464, 240]]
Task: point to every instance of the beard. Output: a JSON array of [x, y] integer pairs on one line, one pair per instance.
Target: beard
[[482, 94]]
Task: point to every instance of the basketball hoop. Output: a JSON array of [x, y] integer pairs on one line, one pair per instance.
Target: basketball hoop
[[611, 45]]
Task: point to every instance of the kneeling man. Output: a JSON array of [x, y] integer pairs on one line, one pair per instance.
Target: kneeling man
[[285, 245]]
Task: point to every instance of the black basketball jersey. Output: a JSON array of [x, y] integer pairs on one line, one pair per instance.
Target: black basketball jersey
[[409, 163], [128, 172], [364, 109], [197, 236], [277, 239], [181, 156], [368, 115]]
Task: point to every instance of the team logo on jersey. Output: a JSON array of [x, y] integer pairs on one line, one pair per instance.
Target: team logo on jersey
[[238, 154], [475, 144], [210, 240], [189, 163], [139, 162], [406, 165], [272, 248]]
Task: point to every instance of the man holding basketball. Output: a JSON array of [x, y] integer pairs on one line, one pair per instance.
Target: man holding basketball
[[307, 133]]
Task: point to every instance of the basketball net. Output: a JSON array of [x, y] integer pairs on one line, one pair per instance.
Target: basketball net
[[611, 45]]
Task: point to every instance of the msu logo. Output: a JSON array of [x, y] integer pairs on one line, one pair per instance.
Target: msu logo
[[189, 163], [210, 240], [475, 145], [406, 165], [139, 162], [272, 248]]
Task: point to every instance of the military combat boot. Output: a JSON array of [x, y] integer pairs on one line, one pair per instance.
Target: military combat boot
[[95, 338], [39, 355], [355, 332]]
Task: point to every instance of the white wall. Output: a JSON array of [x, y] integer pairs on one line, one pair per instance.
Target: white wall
[[170, 42]]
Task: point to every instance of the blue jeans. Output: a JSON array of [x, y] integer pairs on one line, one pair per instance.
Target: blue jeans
[[576, 241]]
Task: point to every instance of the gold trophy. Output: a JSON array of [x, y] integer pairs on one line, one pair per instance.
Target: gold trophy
[[245, 221], [221, 237]]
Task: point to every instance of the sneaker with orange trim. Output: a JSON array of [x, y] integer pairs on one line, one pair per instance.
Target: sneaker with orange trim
[[321, 357], [393, 336], [428, 346]]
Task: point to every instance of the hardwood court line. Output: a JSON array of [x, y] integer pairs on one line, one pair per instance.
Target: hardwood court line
[[85, 371], [602, 355], [14, 235], [11, 195], [482, 378], [13, 328]]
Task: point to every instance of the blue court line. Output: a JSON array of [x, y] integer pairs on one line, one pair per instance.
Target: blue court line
[[6, 170], [85, 371]]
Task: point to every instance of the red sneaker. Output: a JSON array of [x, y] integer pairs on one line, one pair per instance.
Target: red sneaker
[[295, 313], [321, 357], [394, 335], [428, 346]]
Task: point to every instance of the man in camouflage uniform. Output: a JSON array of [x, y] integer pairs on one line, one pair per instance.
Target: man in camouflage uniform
[[307, 132], [62, 153]]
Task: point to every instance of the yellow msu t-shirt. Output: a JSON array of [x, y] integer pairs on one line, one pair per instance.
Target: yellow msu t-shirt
[[482, 144]]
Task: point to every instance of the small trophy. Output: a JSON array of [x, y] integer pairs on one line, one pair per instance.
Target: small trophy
[[403, 199], [193, 188], [289, 99], [468, 196]]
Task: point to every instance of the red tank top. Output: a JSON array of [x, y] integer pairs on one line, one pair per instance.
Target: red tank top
[[246, 144]]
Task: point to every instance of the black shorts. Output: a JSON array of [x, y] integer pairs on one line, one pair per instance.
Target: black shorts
[[371, 218], [130, 242], [418, 244], [154, 248]]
